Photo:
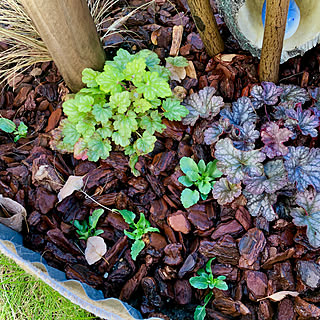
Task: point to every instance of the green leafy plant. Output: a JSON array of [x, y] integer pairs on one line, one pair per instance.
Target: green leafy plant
[[9, 126], [119, 105], [205, 280], [87, 229], [140, 228], [200, 175]]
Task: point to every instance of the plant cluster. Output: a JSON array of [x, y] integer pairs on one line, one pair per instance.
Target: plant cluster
[[140, 228], [88, 229], [9, 126], [119, 105], [199, 175], [203, 281], [264, 145]]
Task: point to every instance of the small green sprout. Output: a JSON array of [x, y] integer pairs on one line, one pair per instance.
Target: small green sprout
[[140, 228], [87, 230], [205, 280], [200, 175], [9, 126]]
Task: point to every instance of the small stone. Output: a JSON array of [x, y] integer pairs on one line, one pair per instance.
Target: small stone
[[232, 227], [309, 273], [250, 247], [257, 283], [178, 222]]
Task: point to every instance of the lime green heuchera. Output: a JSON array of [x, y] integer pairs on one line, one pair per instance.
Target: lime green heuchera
[[120, 104]]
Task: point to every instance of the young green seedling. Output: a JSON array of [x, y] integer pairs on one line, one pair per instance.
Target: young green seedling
[[140, 228], [87, 229], [205, 280], [200, 175], [10, 127]]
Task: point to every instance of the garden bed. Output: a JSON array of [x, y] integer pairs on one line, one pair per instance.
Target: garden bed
[[257, 256]]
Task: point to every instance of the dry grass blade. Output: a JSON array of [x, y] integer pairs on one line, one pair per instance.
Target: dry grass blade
[[25, 47]]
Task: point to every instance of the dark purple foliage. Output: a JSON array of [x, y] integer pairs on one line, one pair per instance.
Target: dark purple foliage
[[303, 167], [273, 138], [268, 93], [302, 121]]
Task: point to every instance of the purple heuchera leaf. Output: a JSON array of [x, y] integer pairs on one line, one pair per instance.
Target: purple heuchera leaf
[[245, 141], [203, 104], [308, 215], [267, 93], [235, 163], [242, 112], [281, 110], [225, 192], [303, 121], [303, 167], [211, 135], [274, 178], [261, 205], [315, 94], [294, 93], [273, 138]]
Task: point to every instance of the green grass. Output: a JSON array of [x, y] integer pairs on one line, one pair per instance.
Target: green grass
[[23, 297]]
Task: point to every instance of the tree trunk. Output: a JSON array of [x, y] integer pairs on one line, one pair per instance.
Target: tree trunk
[[68, 30], [274, 30], [207, 26]]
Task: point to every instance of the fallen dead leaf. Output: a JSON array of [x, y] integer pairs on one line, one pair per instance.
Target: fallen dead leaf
[[278, 296], [154, 36], [177, 73], [54, 119], [74, 183], [13, 213], [95, 249]]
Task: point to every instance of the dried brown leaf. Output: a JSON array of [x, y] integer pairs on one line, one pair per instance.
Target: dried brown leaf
[[74, 183], [278, 296], [95, 249], [14, 213]]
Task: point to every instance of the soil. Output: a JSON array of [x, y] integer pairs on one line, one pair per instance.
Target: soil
[[257, 258]]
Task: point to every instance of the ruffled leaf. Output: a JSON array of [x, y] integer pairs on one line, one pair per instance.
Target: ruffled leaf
[[235, 163], [268, 93], [89, 77], [173, 110], [178, 61], [275, 178], [245, 141], [225, 192], [302, 121], [308, 215], [98, 148], [153, 86], [242, 112], [145, 144], [273, 138], [211, 135], [294, 94], [303, 167], [203, 104], [261, 205]]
